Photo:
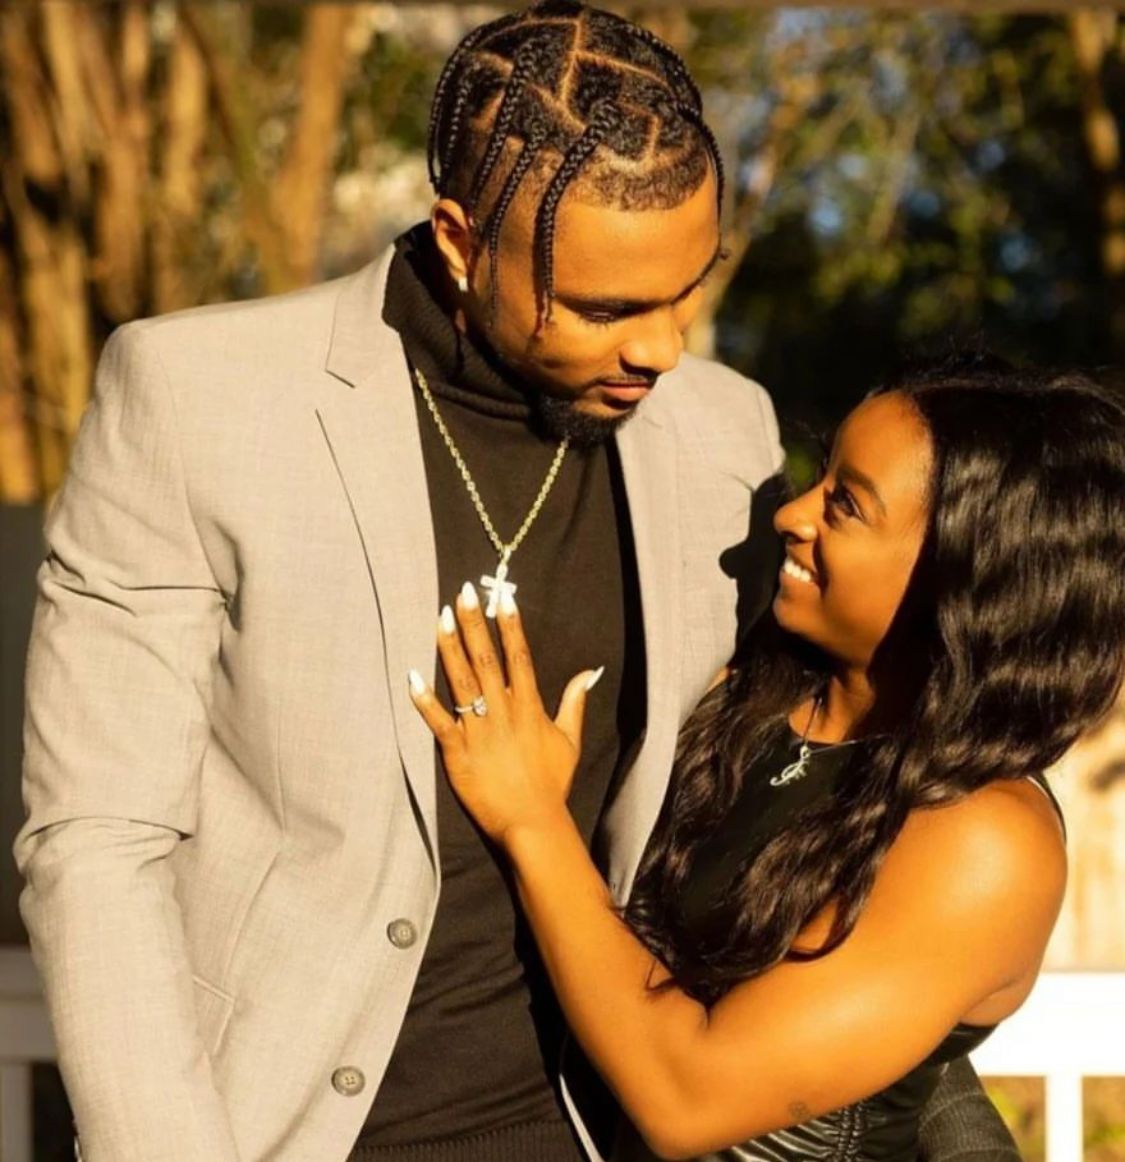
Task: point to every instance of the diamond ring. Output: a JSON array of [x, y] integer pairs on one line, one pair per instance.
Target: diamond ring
[[478, 706]]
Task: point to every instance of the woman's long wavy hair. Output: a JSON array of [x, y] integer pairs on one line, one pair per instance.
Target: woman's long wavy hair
[[1017, 610]]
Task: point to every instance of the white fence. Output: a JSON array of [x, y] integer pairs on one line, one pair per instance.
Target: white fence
[[1072, 1026]]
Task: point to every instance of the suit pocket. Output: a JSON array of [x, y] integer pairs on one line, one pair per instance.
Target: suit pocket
[[213, 1009]]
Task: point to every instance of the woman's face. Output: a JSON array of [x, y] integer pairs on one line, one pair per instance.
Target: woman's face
[[853, 539]]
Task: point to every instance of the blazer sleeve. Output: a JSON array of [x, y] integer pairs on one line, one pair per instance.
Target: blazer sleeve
[[123, 645], [960, 1124]]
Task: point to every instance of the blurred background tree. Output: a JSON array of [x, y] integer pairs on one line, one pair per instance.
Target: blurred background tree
[[898, 177], [940, 174]]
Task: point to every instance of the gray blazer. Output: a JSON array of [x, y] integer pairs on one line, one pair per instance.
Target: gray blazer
[[230, 848]]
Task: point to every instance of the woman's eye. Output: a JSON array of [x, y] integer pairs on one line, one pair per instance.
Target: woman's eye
[[841, 500]]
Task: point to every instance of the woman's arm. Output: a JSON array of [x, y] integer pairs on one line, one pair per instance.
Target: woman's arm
[[957, 920]]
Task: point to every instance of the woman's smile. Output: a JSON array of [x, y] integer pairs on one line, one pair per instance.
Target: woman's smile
[[797, 571]]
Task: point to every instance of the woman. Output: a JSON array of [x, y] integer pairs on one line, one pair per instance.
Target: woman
[[858, 865]]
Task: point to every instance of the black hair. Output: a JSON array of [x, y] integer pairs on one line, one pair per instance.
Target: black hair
[[1017, 605], [575, 93]]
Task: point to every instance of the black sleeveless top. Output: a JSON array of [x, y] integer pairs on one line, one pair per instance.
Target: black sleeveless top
[[883, 1127]]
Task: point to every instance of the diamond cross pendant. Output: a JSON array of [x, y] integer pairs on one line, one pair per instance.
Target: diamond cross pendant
[[497, 587]]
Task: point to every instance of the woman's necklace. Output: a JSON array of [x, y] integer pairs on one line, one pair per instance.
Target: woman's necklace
[[498, 585], [800, 768]]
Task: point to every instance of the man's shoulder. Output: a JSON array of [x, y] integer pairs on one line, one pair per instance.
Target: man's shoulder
[[287, 319], [710, 375], [715, 406], [255, 352], [706, 384]]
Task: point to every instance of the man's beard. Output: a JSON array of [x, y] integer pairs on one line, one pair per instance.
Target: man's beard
[[556, 417], [561, 419]]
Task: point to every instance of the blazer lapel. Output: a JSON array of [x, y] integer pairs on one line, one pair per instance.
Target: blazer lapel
[[370, 423], [648, 461]]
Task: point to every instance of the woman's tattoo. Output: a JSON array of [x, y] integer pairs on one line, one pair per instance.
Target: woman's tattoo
[[799, 1111]]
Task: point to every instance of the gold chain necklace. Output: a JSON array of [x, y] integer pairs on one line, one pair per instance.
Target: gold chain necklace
[[498, 585]]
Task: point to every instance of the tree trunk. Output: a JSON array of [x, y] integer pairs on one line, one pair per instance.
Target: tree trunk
[[239, 123], [19, 470], [305, 175], [118, 74], [176, 216], [797, 94], [1093, 33], [46, 240]]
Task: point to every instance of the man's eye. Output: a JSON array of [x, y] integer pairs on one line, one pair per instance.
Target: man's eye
[[599, 319]]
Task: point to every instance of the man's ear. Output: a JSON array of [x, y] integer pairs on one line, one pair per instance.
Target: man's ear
[[455, 239]]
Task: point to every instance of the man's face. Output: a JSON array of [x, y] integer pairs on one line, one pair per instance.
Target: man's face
[[627, 285]]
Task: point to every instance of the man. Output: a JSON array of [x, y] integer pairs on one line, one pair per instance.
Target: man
[[265, 927]]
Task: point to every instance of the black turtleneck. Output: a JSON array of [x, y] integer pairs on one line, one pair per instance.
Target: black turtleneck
[[474, 1074]]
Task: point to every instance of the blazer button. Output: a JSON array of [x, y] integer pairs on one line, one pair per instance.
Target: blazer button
[[401, 933], [348, 1080]]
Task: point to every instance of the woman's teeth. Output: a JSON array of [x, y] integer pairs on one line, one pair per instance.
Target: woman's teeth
[[792, 569]]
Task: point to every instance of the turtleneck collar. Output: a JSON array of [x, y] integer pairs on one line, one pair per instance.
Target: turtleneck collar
[[456, 368]]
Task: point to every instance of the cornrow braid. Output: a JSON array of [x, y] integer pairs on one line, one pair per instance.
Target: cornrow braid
[[448, 73], [500, 209], [695, 116], [502, 124], [601, 122], [457, 115], [675, 63]]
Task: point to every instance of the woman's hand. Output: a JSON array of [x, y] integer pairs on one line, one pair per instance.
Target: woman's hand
[[511, 766]]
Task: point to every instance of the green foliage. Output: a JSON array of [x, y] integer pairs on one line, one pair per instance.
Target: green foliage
[[391, 96], [931, 180]]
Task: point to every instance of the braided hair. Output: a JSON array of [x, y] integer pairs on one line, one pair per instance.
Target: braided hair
[[575, 95]]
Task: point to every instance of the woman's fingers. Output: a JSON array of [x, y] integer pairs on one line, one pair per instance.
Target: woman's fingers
[[478, 648], [517, 653], [572, 706], [464, 686], [437, 718]]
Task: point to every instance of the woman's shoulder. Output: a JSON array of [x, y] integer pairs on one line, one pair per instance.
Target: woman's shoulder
[[1010, 823], [995, 857]]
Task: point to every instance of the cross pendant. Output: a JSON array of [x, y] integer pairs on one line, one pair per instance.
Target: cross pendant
[[497, 587], [793, 770]]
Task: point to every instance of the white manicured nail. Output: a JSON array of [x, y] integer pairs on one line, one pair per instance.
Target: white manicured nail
[[469, 597], [417, 682], [594, 678], [507, 602], [447, 622]]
